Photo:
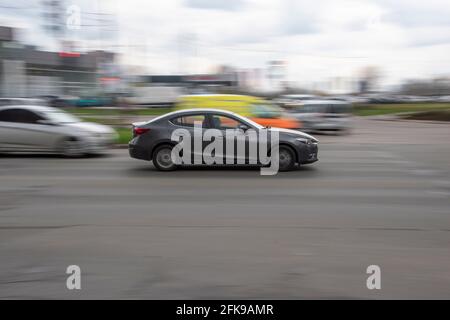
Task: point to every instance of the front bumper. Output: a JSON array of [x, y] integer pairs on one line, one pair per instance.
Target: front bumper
[[308, 153], [98, 143], [312, 155], [98, 146]]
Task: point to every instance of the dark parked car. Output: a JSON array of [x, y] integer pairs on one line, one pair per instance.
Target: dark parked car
[[152, 140]]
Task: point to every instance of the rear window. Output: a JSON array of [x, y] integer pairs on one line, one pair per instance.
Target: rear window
[[190, 120]]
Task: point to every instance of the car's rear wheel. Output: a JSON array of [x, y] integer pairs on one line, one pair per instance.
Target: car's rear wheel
[[162, 158], [286, 158]]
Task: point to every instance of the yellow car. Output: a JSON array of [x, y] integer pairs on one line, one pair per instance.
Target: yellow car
[[259, 110]]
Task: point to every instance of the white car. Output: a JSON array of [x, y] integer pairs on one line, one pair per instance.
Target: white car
[[323, 115], [32, 128]]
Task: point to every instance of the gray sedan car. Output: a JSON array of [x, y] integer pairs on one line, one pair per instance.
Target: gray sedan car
[[153, 140]]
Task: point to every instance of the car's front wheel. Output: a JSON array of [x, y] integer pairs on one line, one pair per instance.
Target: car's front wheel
[[162, 158], [286, 158], [72, 148]]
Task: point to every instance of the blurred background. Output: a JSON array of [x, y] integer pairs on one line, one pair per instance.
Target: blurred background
[[144, 55], [375, 73]]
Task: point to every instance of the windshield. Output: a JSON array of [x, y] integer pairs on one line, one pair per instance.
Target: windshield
[[339, 108], [61, 117], [251, 122]]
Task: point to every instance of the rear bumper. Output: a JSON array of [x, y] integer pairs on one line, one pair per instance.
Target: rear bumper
[[138, 152]]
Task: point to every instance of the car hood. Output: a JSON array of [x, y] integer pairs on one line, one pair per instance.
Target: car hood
[[296, 133], [90, 127]]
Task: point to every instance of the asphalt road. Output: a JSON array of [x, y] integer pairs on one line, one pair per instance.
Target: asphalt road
[[380, 196]]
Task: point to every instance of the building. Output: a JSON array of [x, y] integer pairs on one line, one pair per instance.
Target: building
[[201, 81], [26, 71]]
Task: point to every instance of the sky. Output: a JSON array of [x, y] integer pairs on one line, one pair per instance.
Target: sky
[[318, 40]]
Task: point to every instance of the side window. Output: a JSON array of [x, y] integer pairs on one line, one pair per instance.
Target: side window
[[3, 115], [223, 122], [30, 117], [308, 109], [19, 116], [190, 120], [313, 108], [9, 115]]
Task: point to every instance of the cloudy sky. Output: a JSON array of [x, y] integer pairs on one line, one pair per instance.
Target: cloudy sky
[[318, 40]]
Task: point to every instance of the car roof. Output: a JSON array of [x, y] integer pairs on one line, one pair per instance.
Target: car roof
[[200, 110], [36, 108], [220, 96], [195, 110], [18, 99], [214, 95], [323, 102], [298, 96], [23, 100]]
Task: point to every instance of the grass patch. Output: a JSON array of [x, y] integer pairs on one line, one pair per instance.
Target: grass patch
[[103, 116], [105, 121], [359, 110], [436, 115], [125, 135], [380, 109]]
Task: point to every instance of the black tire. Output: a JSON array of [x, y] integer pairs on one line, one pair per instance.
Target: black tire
[[162, 159], [286, 158]]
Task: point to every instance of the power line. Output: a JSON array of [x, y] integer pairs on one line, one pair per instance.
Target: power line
[[282, 52]]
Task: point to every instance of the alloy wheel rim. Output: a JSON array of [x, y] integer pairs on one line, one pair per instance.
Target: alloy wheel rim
[[285, 158], [72, 148], [164, 158]]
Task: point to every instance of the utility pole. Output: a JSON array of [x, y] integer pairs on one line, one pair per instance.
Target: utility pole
[[54, 18]]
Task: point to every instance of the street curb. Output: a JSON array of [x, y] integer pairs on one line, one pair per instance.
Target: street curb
[[399, 117]]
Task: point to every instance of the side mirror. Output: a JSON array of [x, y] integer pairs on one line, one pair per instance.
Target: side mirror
[[243, 127]]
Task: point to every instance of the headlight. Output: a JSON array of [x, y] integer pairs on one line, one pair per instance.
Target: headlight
[[304, 140]]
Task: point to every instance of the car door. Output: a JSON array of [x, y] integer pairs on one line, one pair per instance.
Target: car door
[[309, 115], [21, 130], [7, 130], [236, 137], [188, 122]]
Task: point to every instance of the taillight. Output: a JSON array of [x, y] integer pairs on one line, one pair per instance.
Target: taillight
[[138, 131]]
